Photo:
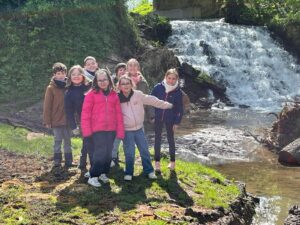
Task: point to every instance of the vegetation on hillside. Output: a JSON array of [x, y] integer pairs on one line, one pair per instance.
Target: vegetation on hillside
[[64, 196], [37, 33], [262, 12]]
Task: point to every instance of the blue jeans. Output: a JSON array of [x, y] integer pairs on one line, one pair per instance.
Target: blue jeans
[[115, 151], [137, 138]]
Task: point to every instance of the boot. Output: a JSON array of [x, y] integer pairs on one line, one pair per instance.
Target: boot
[[68, 159], [57, 159]]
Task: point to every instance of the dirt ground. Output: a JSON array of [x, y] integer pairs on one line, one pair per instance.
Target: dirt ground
[[25, 168]]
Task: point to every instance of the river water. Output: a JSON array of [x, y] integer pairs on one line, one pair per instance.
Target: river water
[[228, 148], [258, 73]]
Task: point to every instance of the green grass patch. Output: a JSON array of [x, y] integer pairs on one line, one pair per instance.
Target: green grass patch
[[121, 202], [16, 140]]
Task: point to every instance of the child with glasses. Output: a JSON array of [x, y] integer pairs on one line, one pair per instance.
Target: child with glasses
[[132, 104], [102, 119]]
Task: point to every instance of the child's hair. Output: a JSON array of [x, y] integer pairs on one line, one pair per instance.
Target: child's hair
[[133, 61], [172, 71], [89, 58], [95, 81], [126, 77], [59, 67], [120, 65], [81, 71]]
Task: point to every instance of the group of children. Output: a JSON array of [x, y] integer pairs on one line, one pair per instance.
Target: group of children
[[109, 109]]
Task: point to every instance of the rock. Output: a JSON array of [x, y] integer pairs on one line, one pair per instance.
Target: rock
[[286, 129], [155, 62], [291, 153], [293, 217]]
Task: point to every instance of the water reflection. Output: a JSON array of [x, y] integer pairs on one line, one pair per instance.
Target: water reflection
[[276, 185]]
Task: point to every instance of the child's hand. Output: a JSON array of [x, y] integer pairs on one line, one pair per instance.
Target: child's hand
[[76, 131], [175, 127], [48, 126], [171, 106]]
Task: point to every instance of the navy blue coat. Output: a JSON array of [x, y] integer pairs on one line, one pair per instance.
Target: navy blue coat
[[173, 115], [74, 97]]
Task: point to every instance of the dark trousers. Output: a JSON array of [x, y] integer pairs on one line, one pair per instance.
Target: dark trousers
[[170, 137], [87, 150], [103, 145]]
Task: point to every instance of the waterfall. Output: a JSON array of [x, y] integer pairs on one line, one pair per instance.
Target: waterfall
[[256, 70]]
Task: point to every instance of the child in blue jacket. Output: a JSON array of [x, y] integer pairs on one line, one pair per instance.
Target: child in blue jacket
[[77, 86], [167, 90]]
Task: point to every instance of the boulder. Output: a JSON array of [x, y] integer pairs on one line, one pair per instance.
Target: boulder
[[290, 154], [156, 61], [293, 217]]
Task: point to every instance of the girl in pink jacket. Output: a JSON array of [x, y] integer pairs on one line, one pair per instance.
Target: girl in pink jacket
[[132, 104], [102, 119]]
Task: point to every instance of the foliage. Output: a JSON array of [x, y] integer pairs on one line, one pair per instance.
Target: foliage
[[264, 12], [143, 9], [43, 32]]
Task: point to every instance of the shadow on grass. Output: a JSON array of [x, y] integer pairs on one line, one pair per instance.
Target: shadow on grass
[[174, 190], [121, 195], [56, 176]]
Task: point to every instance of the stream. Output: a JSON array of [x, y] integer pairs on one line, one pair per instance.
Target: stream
[[258, 73], [220, 139]]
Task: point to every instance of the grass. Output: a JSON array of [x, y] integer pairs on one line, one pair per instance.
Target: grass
[[142, 201], [143, 9]]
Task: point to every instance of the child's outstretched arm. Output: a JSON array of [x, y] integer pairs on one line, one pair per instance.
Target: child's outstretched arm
[[155, 102]]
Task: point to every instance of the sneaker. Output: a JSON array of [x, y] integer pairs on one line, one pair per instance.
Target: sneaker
[[128, 177], [87, 174], [152, 176], [104, 178], [171, 166], [94, 182], [157, 166]]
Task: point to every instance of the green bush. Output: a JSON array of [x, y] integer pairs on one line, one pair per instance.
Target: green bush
[[38, 35]]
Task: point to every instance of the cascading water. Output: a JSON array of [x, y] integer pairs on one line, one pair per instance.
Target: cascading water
[[255, 69]]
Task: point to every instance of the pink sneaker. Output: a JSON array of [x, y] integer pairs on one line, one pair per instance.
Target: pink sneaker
[[171, 166]]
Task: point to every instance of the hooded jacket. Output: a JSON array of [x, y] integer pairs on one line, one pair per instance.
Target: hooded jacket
[[101, 113]]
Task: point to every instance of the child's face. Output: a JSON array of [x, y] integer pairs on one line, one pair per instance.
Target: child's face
[[171, 79], [133, 68], [60, 75], [125, 86], [91, 65], [76, 77], [121, 72], [102, 81]]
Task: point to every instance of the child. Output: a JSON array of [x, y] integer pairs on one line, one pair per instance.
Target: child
[[102, 119], [54, 114], [140, 83], [168, 90], [120, 70], [90, 67], [132, 104], [76, 88]]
